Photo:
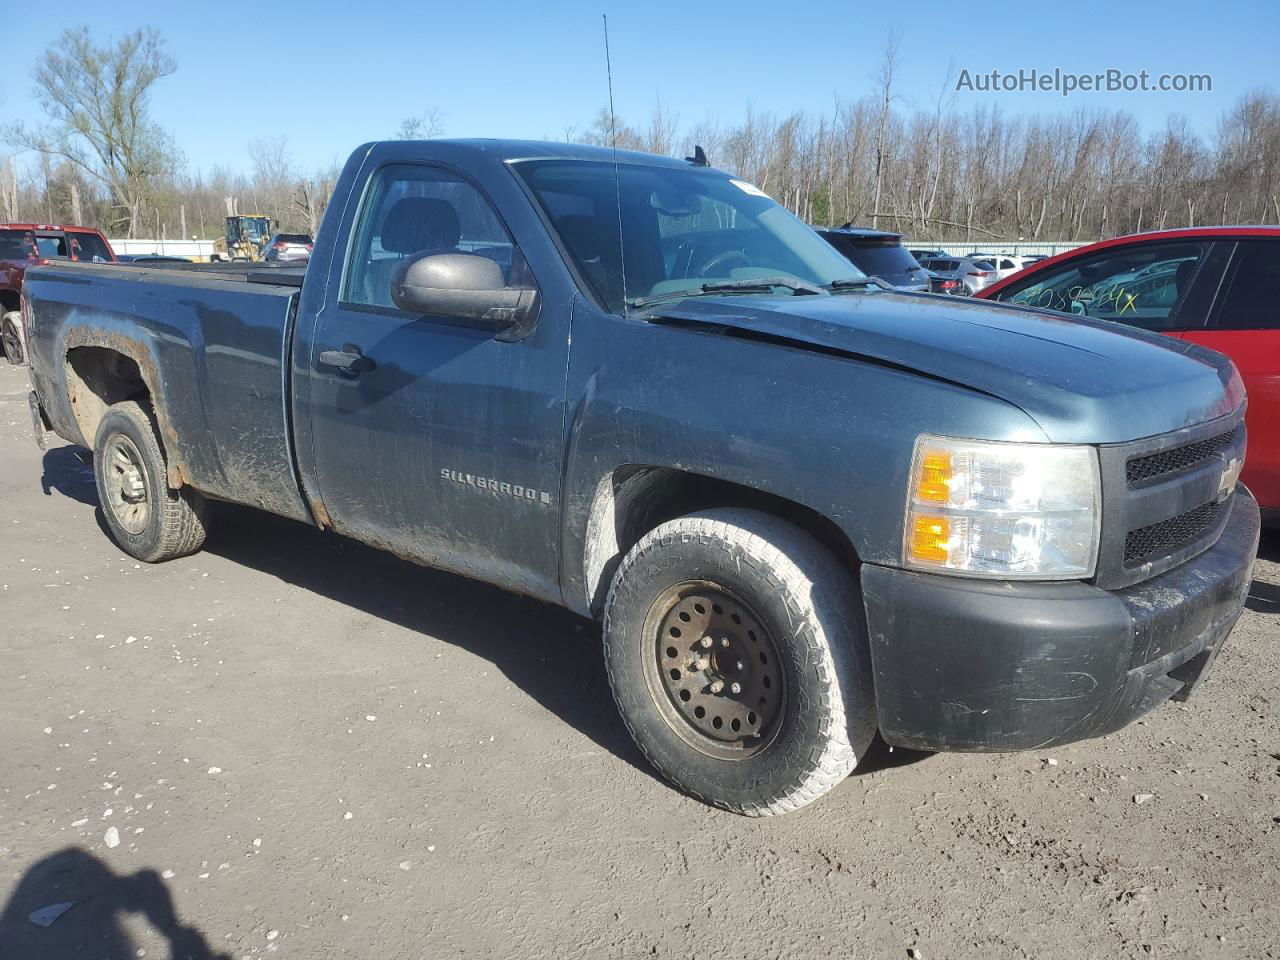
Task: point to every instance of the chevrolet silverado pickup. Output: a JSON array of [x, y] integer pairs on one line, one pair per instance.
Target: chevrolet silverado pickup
[[804, 507]]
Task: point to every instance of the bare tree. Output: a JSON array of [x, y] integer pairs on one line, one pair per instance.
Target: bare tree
[[312, 198], [944, 173], [885, 97], [663, 130], [270, 157], [8, 190], [96, 100], [422, 126]]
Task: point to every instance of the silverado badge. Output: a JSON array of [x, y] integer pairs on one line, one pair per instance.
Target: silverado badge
[[1230, 474]]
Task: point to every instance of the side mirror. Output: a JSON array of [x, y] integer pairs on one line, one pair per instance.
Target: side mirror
[[465, 288]]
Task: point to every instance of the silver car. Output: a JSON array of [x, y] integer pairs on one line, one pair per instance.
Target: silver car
[[974, 274], [288, 246]]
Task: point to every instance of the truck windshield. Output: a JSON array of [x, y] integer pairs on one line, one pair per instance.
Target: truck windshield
[[682, 230]]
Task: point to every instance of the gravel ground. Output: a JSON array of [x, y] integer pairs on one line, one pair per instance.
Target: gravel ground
[[293, 744]]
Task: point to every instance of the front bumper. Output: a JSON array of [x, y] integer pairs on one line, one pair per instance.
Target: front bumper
[[965, 664]]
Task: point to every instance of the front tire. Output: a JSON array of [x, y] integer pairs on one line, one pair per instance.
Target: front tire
[[11, 337], [738, 658], [149, 521]]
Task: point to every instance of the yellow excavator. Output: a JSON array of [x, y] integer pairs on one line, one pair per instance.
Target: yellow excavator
[[245, 238]]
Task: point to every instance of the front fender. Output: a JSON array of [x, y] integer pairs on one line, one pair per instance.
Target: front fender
[[829, 433]]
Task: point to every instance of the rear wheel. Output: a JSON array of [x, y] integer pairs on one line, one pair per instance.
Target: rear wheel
[[11, 336], [147, 519], [737, 657]]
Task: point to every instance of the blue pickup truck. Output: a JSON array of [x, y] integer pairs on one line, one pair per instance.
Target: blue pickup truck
[[804, 507]]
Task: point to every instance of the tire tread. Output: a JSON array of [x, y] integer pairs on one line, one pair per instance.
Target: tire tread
[[797, 566], [183, 513]]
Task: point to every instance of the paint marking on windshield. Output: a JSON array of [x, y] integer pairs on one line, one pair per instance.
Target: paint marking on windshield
[[750, 188]]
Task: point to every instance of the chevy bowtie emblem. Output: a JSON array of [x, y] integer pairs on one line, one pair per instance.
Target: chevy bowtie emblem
[[1230, 474]]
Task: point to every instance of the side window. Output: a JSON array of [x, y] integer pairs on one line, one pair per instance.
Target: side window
[[412, 210], [89, 246], [1138, 285], [52, 248], [1249, 298]]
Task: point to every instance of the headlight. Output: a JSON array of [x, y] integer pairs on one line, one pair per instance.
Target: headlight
[[1026, 511]]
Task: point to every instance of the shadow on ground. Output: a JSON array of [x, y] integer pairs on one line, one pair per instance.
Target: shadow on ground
[[91, 927], [551, 654], [1264, 597], [68, 470], [1269, 544]]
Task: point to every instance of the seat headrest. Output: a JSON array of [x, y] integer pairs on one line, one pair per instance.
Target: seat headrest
[[421, 223]]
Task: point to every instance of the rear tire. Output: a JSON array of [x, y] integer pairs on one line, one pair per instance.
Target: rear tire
[[778, 708], [15, 350], [149, 521]]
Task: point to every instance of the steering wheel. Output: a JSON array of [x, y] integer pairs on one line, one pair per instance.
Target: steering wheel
[[720, 260]]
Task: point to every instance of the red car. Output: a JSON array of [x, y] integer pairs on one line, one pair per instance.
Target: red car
[[25, 244], [1216, 286]]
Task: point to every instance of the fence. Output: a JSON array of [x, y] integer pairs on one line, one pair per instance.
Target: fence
[[193, 249], [959, 247]]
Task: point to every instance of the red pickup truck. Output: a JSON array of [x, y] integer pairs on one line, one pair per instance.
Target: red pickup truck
[[26, 244], [1215, 286]]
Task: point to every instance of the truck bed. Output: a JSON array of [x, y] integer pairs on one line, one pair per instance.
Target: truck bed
[[282, 273], [210, 341]]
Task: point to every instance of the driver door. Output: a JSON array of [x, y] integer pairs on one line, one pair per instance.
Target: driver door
[[434, 439]]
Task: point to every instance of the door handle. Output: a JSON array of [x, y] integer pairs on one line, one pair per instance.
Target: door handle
[[349, 359]]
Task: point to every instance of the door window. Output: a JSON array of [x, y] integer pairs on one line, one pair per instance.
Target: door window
[[52, 247], [89, 246], [412, 210], [1138, 285], [1249, 301], [16, 245]]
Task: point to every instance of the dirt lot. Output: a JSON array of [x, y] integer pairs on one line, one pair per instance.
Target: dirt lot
[[292, 744]]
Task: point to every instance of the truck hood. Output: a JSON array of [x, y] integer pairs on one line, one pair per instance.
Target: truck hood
[[1081, 380]]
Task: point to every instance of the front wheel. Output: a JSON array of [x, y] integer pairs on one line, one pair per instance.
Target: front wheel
[[737, 657], [147, 518]]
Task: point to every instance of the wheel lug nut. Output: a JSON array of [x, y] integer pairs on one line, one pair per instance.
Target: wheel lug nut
[[741, 666], [724, 641], [735, 688], [705, 642], [717, 686], [699, 665]]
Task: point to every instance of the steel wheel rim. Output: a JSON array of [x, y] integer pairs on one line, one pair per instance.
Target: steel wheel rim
[[128, 492], [727, 697]]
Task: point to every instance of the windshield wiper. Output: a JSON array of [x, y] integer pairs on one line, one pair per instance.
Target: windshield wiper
[[751, 285], [850, 284]]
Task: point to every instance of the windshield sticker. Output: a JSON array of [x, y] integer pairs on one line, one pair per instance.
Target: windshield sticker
[[750, 188]]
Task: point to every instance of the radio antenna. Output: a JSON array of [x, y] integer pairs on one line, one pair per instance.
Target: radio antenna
[[617, 178]]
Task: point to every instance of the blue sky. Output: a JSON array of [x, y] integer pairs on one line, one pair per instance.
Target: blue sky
[[329, 75]]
